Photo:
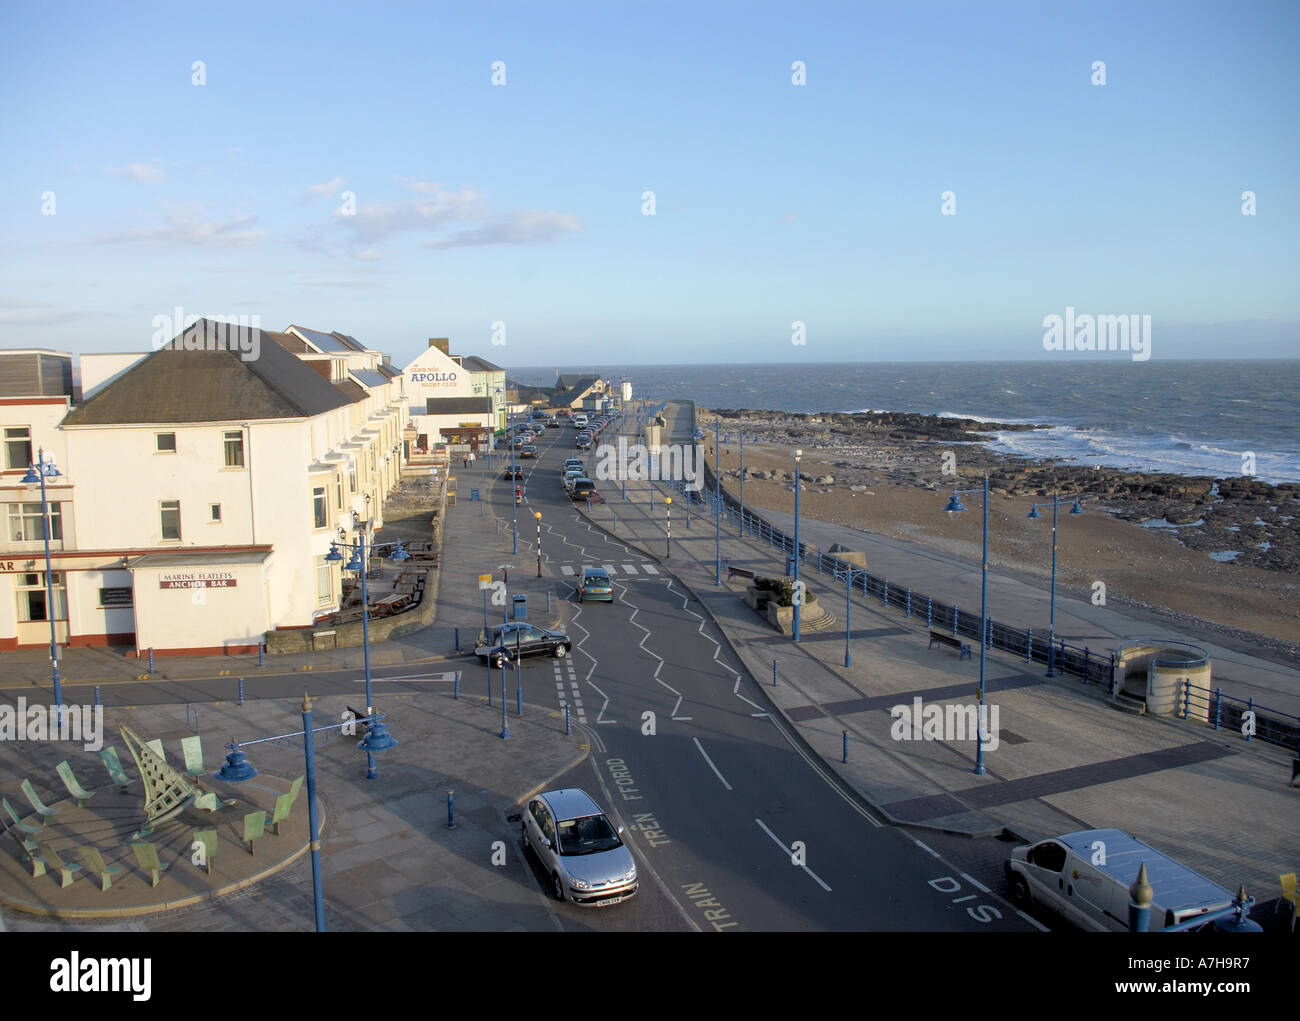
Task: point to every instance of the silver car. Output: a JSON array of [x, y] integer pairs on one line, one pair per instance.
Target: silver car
[[581, 850]]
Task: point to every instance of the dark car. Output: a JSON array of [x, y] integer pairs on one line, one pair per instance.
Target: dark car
[[513, 471], [583, 442], [528, 450], [583, 489], [552, 423], [531, 641]]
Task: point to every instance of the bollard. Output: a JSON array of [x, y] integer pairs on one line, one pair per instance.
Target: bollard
[[498, 528], [97, 702], [568, 723], [1029, 647], [548, 601], [519, 693], [261, 655], [151, 660], [456, 634], [846, 746], [241, 691], [774, 673], [451, 809], [455, 688], [1218, 706]]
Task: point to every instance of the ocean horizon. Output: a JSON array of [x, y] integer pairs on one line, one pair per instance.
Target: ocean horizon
[[1207, 417]]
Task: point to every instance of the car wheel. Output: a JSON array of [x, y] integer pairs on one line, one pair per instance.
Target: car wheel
[[1019, 889], [557, 886], [560, 651]]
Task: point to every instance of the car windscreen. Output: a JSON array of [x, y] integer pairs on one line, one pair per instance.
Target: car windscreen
[[588, 835]]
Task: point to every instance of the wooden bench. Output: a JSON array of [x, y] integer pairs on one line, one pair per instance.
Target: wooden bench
[[950, 642], [738, 572]]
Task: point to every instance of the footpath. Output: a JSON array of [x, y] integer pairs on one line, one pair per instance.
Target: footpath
[[389, 861], [1064, 759]]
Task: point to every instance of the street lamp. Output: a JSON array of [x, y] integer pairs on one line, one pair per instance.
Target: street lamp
[[742, 479], [514, 504], [955, 506], [237, 769], [849, 575], [798, 455], [538, 516], [1034, 515], [717, 502], [668, 519], [358, 562], [39, 472]]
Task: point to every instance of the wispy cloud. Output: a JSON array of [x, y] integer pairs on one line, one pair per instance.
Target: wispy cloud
[[187, 225], [438, 210], [521, 227], [326, 188], [368, 255], [149, 172], [25, 312]]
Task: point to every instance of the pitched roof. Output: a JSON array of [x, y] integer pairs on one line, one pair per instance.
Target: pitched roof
[[476, 364], [288, 341], [174, 385], [389, 371], [370, 377], [352, 390], [324, 342], [347, 341]]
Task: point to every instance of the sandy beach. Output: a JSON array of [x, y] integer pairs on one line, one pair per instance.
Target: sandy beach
[[859, 485]]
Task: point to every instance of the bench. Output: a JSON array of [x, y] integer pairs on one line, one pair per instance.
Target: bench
[[950, 642], [738, 572], [357, 714]]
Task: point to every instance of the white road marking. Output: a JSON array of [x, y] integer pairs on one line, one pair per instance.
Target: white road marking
[[975, 883], [715, 769], [1033, 921], [789, 852], [629, 568], [609, 568], [649, 569], [933, 853], [566, 569]]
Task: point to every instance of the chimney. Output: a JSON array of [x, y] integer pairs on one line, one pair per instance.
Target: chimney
[[443, 344]]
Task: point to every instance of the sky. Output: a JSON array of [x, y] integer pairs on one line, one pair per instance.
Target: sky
[[355, 167]]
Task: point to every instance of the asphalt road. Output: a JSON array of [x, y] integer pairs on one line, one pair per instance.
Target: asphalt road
[[735, 825]]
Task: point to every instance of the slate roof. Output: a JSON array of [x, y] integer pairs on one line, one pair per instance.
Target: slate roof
[[348, 341], [389, 371], [352, 390], [476, 364], [325, 342], [288, 341], [173, 385], [370, 377]]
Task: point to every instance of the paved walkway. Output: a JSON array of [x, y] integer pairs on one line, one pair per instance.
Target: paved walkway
[[1064, 761]]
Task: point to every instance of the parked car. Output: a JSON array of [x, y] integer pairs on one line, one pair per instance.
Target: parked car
[[513, 471], [1085, 877], [528, 450], [583, 442], [562, 413], [579, 847], [528, 638], [552, 423], [570, 463], [570, 477], [582, 489], [595, 584]]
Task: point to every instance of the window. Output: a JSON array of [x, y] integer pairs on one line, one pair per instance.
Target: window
[[165, 443], [32, 597], [352, 476], [320, 507], [170, 519], [18, 446], [25, 522], [235, 450], [324, 581], [338, 486], [110, 598], [215, 510]]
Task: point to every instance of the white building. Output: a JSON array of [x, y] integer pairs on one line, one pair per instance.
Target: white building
[[445, 407], [199, 491]]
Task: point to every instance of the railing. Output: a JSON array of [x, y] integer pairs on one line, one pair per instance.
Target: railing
[[1226, 712]]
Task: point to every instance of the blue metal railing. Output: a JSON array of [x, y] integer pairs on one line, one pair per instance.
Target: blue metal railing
[[1224, 712]]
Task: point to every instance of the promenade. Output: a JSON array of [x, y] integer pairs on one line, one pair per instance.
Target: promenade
[[1065, 760]]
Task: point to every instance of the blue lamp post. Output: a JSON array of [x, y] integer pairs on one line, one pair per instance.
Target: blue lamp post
[[39, 472], [237, 769], [849, 575], [742, 480], [358, 563], [717, 502], [798, 455], [514, 505], [955, 506], [1033, 514]]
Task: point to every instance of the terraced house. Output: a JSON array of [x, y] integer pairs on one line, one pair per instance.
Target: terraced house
[[198, 491]]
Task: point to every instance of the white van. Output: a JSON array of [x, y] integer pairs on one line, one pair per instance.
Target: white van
[[580, 420], [1086, 876]]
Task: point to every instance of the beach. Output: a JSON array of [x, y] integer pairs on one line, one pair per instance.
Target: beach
[[890, 479]]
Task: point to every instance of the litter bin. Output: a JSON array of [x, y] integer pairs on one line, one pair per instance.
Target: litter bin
[[520, 607], [473, 493], [789, 566]]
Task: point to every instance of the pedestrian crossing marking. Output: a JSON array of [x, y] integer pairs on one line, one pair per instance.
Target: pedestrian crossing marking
[[630, 568], [648, 569], [609, 568], [566, 569]]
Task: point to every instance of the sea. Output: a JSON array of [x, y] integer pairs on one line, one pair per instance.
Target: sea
[[1184, 417]]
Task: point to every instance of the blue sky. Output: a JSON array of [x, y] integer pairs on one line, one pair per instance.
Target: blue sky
[[522, 204]]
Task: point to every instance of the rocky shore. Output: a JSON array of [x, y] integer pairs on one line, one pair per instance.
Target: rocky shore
[[1237, 520]]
